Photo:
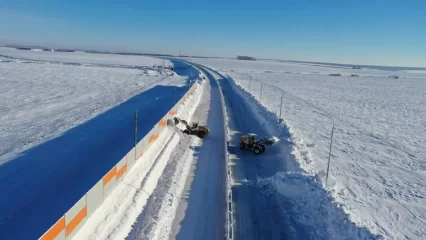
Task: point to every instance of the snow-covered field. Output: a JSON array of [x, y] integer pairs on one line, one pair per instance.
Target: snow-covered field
[[40, 100], [144, 204], [378, 157], [83, 58]]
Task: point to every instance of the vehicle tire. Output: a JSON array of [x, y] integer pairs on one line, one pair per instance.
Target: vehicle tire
[[256, 150], [262, 149], [242, 146], [200, 134]]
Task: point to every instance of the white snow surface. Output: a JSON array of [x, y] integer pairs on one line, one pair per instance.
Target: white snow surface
[[84, 58], [378, 157], [40, 100]]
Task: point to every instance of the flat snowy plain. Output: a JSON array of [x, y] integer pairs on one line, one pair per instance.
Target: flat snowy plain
[[64, 124], [378, 162], [42, 99]]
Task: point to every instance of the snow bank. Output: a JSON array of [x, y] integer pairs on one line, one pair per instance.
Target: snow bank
[[310, 208], [157, 219]]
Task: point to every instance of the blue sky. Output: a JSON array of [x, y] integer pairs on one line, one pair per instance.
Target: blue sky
[[386, 32]]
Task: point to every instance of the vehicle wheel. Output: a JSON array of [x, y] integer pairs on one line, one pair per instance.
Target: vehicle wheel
[[242, 146], [262, 149], [200, 134], [256, 150]]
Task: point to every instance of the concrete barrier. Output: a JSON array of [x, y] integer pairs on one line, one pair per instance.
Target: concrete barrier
[[75, 217], [95, 197]]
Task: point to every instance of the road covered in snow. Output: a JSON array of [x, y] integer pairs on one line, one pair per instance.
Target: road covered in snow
[[256, 216]]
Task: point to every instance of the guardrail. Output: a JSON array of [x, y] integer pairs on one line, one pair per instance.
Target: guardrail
[[67, 226]]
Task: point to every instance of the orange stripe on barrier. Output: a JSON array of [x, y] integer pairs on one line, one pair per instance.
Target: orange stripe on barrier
[[163, 123], [140, 155], [54, 231], [110, 175], [76, 220], [121, 171], [171, 113], [151, 138]]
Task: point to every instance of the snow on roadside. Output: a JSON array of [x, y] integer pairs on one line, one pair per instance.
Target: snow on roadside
[[310, 209], [303, 201], [377, 166], [376, 192], [157, 219], [116, 217]]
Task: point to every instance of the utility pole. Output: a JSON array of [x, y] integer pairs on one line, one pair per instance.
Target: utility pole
[[331, 144]]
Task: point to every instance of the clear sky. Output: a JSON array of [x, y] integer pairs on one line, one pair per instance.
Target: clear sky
[[386, 32]]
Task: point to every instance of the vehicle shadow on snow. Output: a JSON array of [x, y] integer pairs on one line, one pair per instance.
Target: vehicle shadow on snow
[[278, 204], [42, 183]]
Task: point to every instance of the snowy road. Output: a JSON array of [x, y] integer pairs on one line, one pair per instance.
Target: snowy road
[[255, 215], [201, 214]]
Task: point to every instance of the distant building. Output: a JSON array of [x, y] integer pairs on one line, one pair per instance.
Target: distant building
[[23, 48], [246, 58]]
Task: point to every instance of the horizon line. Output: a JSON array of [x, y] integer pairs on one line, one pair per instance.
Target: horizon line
[[89, 50]]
